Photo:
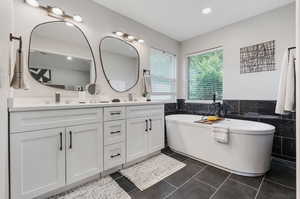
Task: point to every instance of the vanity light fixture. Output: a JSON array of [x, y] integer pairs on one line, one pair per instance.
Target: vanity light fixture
[[33, 3], [57, 11], [128, 37], [119, 33], [77, 18], [206, 11], [54, 11], [69, 24]]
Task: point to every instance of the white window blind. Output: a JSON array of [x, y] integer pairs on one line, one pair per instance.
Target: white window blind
[[205, 75], [163, 75]]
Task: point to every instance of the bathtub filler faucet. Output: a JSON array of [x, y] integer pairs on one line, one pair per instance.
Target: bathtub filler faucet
[[217, 106]]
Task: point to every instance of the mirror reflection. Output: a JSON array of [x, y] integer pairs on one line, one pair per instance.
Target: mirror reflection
[[60, 56], [120, 62]]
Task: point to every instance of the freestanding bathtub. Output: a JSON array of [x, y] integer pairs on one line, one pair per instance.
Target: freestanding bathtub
[[247, 153]]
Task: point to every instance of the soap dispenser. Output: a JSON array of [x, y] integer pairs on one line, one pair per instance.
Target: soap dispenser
[[81, 95]]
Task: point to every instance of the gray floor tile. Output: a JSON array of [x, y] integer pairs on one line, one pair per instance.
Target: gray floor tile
[[179, 157], [213, 176], [283, 175], [183, 175], [251, 181], [234, 190], [167, 151], [116, 175], [192, 161], [126, 184], [159, 190], [270, 190], [193, 190]]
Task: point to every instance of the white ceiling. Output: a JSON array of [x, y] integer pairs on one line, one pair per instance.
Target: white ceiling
[[182, 19]]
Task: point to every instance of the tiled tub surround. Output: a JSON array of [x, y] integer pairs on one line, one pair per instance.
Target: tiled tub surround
[[284, 146]]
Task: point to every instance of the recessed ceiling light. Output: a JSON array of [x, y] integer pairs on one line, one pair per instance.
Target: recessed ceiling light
[[69, 24], [69, 58], [119, 33], [77, 18], [57, 11], [130, 37], [141, 41], [33, 3], [206, 11]]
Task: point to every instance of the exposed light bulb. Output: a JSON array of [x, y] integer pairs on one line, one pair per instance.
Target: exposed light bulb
[[141, 41], [69, 58], [33, 3], [77, 18], [130, 37], [69, 24], [57, 11], [119, 33], [206, 11]]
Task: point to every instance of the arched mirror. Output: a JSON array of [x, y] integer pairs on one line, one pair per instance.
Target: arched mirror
[[60, 56], [121, 62]]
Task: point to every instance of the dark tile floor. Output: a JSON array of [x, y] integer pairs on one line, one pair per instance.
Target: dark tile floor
[[200, 181]]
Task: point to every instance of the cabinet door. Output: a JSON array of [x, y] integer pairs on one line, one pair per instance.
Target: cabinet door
[[136, 143], [37, 162], [156, 134], [84, 148]]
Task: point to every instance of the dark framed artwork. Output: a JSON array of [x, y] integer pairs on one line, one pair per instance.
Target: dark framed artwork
[[40, 74], [258, 57]]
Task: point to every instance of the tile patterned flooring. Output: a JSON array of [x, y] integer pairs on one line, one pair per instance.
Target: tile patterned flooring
[[200, 181]]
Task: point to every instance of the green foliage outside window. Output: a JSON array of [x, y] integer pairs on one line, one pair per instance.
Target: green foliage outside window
[[206, 75]]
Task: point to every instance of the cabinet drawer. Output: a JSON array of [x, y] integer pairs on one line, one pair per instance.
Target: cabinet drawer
[[114, 113], [114, 132], [145, 111], [114, 155], [38, 120]]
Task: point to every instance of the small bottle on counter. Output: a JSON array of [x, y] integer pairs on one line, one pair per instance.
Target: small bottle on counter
[[81, 95], [57, 98]]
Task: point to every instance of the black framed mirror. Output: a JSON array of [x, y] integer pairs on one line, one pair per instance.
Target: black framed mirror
[[120, 62], [60, 56]]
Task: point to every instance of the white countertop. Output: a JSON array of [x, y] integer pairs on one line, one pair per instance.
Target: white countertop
[[40, 107]]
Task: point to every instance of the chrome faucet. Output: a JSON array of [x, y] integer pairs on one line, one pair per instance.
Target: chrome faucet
[[217, 106]]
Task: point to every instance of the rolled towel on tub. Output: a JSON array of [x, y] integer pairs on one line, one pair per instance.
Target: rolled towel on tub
[[221, 135]]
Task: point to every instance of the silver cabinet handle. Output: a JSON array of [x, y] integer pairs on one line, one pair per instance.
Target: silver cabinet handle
[[115, 113], [114, 156], [71, 140], [115, 132], [60, 140], [146, 125], [150, 124]]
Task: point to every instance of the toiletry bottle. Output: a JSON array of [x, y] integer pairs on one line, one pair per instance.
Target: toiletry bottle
[[81, 95], [57, 98]]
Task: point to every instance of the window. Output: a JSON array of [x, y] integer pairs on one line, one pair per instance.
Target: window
[[163, 75], [205, 75]]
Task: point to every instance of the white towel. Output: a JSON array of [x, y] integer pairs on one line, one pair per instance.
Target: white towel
[[284, 85], [290, 85], [17, 80], [147, 84], [221, 135]]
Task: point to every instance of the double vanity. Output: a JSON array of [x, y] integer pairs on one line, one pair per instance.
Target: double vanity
[[59, 146]]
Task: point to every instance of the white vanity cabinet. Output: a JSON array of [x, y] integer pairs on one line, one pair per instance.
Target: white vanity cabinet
[[145, 131], [55, 149]]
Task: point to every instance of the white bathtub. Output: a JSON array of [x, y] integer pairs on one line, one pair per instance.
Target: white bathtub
[[247, 153]]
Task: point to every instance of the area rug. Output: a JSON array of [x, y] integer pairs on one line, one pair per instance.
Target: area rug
[[104, 188], [153, 170]]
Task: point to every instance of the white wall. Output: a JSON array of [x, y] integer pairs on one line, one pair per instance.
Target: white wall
[[276, 25], [6, 27], [98, 23]]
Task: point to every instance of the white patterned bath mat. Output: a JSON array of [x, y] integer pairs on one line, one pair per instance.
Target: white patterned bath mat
[[105, 188], [151, 171]]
